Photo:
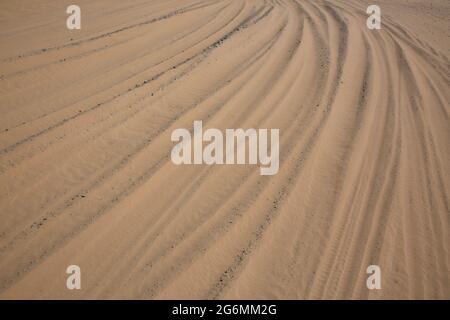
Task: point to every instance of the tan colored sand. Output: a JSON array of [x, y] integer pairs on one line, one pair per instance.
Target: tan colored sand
[[85, 170]]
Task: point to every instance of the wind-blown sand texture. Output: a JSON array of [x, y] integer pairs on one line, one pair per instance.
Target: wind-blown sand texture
[[86, 176]]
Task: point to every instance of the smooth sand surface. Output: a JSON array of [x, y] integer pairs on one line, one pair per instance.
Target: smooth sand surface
[[86, 176]]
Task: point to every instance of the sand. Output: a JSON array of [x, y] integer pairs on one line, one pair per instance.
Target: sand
[[85, 171]]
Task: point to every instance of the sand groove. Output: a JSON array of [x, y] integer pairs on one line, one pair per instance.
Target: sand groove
[[86, 176]]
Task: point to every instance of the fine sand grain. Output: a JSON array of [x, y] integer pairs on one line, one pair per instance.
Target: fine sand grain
[[85, 171]]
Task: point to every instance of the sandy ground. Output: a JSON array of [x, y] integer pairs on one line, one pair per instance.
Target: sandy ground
[[85, 170]]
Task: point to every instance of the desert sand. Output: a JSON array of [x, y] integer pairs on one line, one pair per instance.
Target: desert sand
[[85, 171]]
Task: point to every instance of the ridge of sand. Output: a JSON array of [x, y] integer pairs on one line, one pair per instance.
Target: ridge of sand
[[85, 170]]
